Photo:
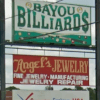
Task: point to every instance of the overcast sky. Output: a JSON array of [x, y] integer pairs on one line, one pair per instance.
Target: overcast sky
[[8, 7]]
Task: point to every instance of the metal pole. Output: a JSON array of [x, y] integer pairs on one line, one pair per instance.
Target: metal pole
[[2, 49], [97, 13]]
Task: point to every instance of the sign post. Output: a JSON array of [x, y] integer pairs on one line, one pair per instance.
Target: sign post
[[97, 10], [2, 49]]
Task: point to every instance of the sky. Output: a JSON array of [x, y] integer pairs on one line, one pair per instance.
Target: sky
[[9, 62]]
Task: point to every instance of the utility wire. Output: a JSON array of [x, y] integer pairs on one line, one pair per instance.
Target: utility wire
[[42, 7], [25, 38], [32, 10]]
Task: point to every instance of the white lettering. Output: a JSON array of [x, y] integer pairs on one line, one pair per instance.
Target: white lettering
[[25, 81], [51, 81], [17, 75]]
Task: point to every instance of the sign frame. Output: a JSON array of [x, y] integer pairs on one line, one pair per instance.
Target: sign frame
[[50, 95], [73, 41], [42, 74]]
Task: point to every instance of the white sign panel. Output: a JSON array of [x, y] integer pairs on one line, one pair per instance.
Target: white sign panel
[[50, 95], [36, 18]]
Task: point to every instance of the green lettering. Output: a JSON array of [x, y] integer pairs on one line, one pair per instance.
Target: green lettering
[[53, 9], [37, 7], [69, 12], [60, 10], [51, 23], [21, 16], [34, 21], [29, 11], [43, 21], [46, 9], [58, 24], [67, 22], [84, 16], [76, 21]]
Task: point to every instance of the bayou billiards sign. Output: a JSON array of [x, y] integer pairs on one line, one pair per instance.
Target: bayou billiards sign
[[45, 23]]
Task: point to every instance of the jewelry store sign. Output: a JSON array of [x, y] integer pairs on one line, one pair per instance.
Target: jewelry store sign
[[48, 70]]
